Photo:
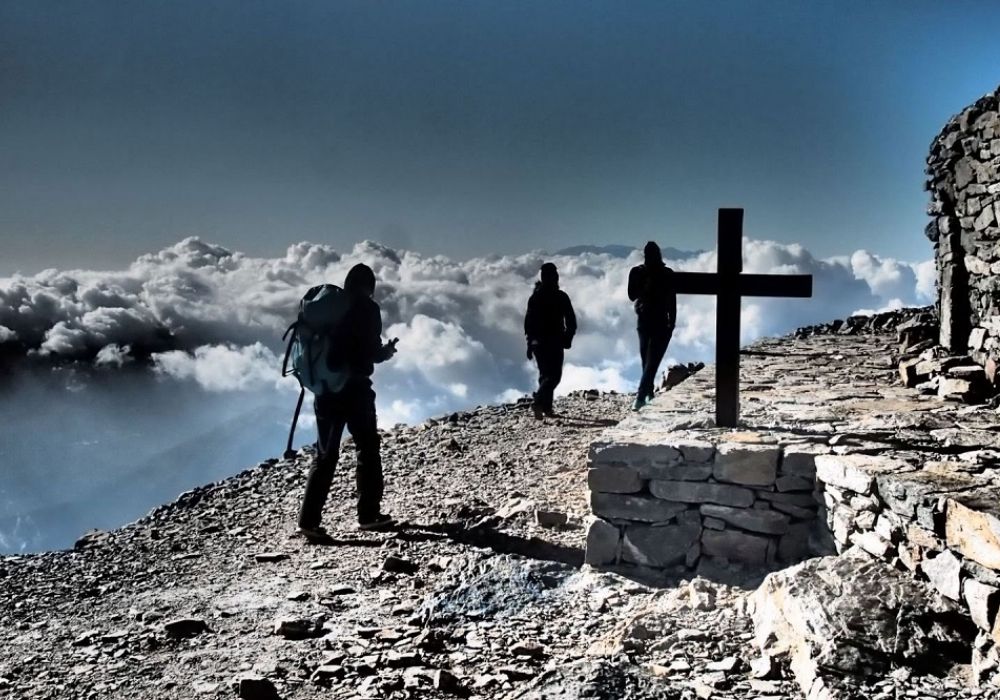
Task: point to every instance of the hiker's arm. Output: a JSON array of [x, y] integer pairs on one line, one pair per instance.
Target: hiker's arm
[[671, 299], [373, 339], [634, 283], [569, 318]]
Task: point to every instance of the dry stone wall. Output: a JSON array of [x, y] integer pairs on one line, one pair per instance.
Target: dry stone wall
[[686, 503], [963, 177]]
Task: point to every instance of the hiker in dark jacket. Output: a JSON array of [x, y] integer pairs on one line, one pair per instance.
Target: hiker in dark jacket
[[549, 326], [651, 287], [359, 340]]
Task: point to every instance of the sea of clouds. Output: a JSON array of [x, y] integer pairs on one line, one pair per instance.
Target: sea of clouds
[[202, 313], [121, 388]]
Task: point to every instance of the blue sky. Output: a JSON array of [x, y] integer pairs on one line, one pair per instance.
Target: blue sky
[[470, 128]]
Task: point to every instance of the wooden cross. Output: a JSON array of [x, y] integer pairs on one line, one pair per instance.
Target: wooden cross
[[729, 285]]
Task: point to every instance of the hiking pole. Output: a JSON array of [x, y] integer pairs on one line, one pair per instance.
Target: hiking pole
[[289, 452]]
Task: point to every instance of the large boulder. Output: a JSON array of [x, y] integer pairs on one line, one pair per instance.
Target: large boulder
[[854, 616]]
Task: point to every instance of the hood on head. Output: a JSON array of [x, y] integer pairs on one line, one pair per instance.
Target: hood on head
[[360, 280], [652, 254]]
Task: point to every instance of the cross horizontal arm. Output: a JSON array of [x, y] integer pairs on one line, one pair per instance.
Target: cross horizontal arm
[[776, 285], [696, 282]]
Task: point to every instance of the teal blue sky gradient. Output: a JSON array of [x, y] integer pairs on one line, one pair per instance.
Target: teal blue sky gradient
[[471, 127]]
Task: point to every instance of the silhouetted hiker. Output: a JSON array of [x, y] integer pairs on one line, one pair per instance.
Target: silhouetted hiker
[[358, 347], [549, 326], [651, 287]]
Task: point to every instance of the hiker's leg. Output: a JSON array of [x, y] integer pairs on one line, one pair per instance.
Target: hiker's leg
[[644, 343], [549, 373], [329, 429], [657, 349], [363, 424]]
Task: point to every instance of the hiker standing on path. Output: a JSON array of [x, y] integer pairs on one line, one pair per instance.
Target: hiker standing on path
[[549, 327], [359, 343], [651, 288]]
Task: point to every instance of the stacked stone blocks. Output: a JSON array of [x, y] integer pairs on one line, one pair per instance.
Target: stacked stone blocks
[[687, 501], [963, 177], [940, 523]]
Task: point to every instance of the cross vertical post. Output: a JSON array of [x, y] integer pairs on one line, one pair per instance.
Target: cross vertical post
[[727, 328]]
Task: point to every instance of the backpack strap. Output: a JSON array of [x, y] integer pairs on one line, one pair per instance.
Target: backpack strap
[[288, 348]]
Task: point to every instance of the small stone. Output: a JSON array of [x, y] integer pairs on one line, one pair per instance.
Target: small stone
[[297, 627], [982, 601], [447, 682], [944, 572], [265, 557], [603, 543], [550, 518], [185, 627], [400, 659], [399, 565], [766, 521], [726, 665], [256, 688], [529, 649], [764, 668]]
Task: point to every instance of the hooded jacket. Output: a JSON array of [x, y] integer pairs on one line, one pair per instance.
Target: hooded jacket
[[550, 317], [651, 288]]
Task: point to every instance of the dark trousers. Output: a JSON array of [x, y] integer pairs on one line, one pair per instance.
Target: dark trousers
[[549, 357], [652, 347], [353, 407]]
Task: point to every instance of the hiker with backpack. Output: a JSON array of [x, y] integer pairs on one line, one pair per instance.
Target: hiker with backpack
[[651, 289], [549, 327], [337, 342]]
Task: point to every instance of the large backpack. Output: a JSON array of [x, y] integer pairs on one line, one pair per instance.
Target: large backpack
[[314, 354]]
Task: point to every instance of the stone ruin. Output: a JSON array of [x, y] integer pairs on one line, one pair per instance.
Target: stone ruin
[[875, 439], [963, 178]]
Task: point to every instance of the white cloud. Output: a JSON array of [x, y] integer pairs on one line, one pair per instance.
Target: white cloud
[[215, 316]]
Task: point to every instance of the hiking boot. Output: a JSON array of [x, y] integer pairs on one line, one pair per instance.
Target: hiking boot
[[537, 410], [639, 402], [315, 534], [381, 521]]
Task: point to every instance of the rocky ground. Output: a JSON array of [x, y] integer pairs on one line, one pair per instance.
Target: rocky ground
[[481, 591]]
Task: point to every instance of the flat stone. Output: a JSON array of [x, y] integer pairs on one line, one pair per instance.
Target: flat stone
[[803, 500], [603, 543], [855, 472], [735, 546], [550, 518], [700, 492], [944, 572], [790, 482], [631, 454], [658, 546], [766, 521], [982, 601], [920, 495], [749, 465], [801, 461], [297, 627], [695, 451], [973, 530], [713, 524], [614, 479], [680, 471], [795, 511], [642, 508]]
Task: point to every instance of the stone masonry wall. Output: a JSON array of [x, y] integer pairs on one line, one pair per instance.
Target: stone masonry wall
[[689, 503], [963, 177]]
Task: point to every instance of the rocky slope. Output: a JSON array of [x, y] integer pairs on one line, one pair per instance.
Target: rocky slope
[[481, 592]]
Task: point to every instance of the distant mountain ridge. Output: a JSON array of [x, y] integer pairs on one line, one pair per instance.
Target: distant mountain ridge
[[623, 251]]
